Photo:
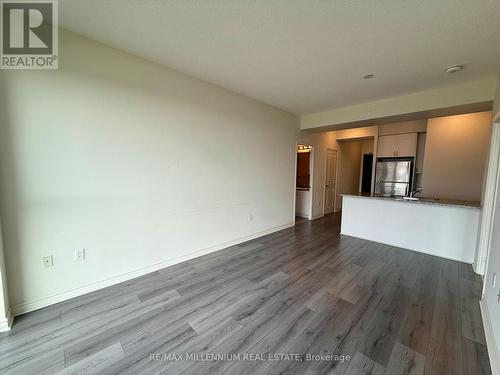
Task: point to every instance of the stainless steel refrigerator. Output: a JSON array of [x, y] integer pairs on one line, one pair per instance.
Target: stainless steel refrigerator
[[393, 177]]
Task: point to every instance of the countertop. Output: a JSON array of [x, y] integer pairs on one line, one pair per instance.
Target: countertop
[[432, 201]]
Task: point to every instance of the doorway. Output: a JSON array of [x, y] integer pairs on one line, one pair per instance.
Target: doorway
[[330, 180], [355, 175], [303, 183], [366, 173]]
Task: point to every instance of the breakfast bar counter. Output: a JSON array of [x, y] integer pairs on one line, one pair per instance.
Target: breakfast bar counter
[[442, 227]]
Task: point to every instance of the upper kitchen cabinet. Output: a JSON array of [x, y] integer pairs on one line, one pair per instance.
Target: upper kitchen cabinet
[[399, 145], [406, 144], [386, 147]]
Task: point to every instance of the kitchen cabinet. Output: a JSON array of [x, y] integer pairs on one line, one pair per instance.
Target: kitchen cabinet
[[399, 145], [386, 147], [406, 144]]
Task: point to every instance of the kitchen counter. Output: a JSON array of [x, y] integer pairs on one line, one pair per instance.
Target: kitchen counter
[[433, 201], [444, 228]]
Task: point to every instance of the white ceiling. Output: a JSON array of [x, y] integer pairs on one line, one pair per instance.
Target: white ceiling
[[302, 55]]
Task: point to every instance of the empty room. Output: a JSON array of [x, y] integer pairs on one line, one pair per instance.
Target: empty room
[[250, 187]]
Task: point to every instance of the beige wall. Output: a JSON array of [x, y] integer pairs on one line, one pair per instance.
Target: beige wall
[[357, 133], [367, 146], [496, 104], [417, 126], [476, 91], [324, 140], [455, 156], [349, 168], [320, 142]]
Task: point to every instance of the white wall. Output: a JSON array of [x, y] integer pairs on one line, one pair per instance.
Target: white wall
[[5, 318], [491, 291], [490, 296], [302, 203], [140, 165], [455, 155]]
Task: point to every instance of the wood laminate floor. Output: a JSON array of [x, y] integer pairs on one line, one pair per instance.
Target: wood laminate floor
[[300, 219], [304, 291]]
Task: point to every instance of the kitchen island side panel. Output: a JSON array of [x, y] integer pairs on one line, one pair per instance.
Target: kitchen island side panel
[[440, 230]]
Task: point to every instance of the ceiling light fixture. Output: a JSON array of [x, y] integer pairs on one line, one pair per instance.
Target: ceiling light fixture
[[368, 76], [454, 68]]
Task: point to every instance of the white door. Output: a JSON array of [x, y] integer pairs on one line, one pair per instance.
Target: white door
[[407, 144], [386, 147], [331, 180]]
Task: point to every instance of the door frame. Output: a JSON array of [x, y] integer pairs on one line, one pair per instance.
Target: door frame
[[311, 182], [336, 180], [490, 199]]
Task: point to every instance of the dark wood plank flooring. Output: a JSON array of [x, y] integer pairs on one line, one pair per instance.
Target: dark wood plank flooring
[[304, 291]]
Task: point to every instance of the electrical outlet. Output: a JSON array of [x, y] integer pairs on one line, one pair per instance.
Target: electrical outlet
[[250, 217], [80, 254], [494, 280], [47, 261]]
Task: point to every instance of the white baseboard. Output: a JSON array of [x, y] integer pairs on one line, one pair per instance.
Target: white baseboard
[[490, 339], [317, 216], [6, 323], [24, 307], [477, 269]]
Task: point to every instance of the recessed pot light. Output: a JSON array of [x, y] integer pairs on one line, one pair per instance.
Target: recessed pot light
[[454, 68], [368, 76]]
